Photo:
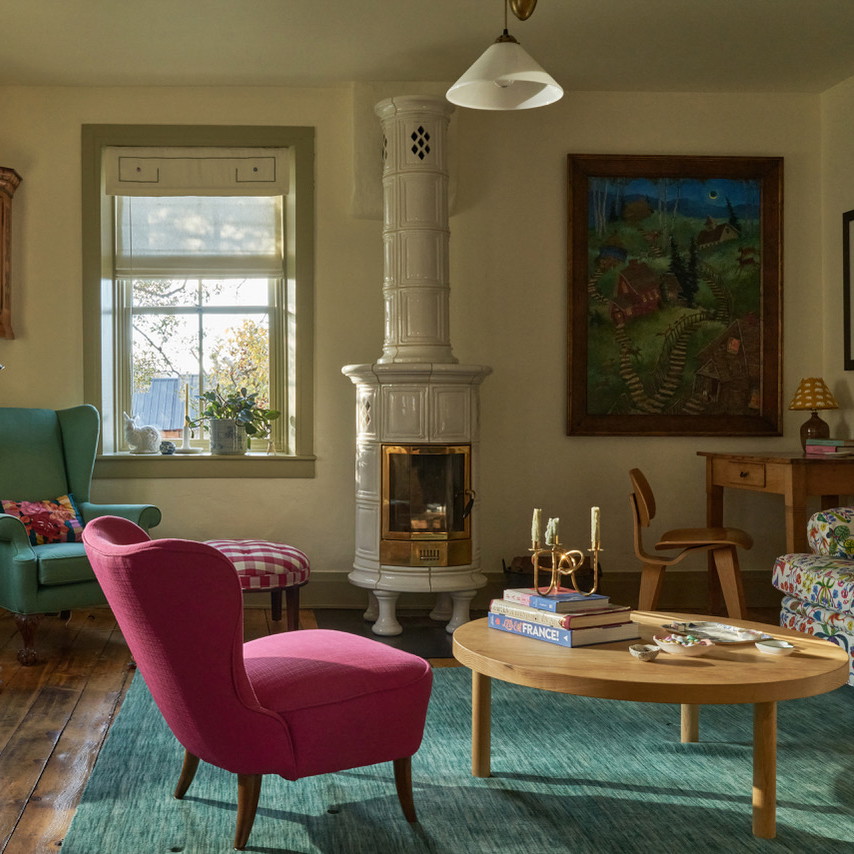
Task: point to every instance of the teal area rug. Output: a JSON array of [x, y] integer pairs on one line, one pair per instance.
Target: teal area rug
[[571, 774]]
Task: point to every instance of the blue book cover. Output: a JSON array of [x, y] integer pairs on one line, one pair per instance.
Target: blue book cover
[[552, 634], [565, 601], [564, 637]]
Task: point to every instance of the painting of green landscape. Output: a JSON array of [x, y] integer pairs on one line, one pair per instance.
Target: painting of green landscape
[[674, 296]]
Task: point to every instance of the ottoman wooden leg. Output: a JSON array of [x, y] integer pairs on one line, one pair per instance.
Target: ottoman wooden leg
[[292, 602], [276, 604]]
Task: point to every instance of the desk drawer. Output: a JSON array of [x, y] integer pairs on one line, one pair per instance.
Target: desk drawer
[[730, 473]]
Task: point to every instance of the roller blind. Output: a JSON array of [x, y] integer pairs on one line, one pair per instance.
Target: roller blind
[[199, 236]]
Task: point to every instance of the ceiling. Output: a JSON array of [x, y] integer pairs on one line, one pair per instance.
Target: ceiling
[[587, 45]]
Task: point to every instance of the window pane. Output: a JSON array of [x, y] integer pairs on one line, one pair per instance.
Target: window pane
[[236, 353], [235, 292], [163, 292], [171, 352]]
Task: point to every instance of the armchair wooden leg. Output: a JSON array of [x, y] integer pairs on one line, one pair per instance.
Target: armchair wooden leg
[[248, 792], [27, 625], [652, 577], [729, 573], [188, 771], [403, 782]]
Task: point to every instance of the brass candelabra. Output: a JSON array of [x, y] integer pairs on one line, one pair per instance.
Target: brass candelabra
[[565, 562]]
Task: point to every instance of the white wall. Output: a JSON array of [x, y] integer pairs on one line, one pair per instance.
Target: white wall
[[508, 297], [837, 197]]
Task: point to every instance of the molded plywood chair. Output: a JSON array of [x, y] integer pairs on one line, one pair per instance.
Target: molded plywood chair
[[295, 704], [46, 455], [721, 542]]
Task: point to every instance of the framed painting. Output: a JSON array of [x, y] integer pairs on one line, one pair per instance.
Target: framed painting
[[847, 283], [675, 285]]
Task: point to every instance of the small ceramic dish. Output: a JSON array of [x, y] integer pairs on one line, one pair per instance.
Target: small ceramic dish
[[775, 647], [644, 651], [683, 644]]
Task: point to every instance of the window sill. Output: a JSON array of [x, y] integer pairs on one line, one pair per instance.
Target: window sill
[[202, 465]]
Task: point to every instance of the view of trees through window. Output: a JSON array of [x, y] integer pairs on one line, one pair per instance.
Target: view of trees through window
[[192, 335]]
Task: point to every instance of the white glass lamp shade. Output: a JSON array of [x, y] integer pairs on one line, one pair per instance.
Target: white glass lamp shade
[[505, 78]]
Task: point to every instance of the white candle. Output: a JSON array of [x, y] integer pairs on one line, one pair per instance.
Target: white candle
[[536, 526], [594, 527], [186, 401], [551, 531]]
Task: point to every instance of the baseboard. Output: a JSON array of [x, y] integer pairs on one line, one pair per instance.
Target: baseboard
[[683, 590]]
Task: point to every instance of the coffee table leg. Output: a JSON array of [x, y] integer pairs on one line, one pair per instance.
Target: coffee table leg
[[690, 719], [481, 699], [765, 770]]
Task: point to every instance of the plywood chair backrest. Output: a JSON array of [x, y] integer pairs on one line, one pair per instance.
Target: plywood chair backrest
[[643, 497]]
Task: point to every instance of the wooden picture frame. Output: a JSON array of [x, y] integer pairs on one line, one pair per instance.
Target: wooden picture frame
[[847, 282], [9, 181], [674, 295]]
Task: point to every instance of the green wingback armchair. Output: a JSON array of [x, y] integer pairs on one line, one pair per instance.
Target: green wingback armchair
[[45, 454]]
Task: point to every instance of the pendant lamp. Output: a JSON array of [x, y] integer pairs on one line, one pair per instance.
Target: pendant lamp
[[506, 77]]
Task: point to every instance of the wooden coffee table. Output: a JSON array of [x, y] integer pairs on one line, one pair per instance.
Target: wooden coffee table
[[737, 673]]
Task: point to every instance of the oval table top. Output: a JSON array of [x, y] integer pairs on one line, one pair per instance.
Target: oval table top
[[729, 673]]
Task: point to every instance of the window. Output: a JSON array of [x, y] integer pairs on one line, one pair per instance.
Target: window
[[197, 266]]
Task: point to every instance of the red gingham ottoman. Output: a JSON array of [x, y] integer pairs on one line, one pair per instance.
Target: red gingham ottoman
[[262, 565]]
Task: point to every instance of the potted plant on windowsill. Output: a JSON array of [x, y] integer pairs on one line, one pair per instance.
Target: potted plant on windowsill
[[233, 419]]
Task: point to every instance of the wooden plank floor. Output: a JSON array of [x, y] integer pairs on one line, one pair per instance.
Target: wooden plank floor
[[55, 716]]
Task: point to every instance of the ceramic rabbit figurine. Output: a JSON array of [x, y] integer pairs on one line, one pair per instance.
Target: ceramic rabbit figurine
[[142, 440]]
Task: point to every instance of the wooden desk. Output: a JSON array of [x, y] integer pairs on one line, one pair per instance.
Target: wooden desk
[[793, 476]]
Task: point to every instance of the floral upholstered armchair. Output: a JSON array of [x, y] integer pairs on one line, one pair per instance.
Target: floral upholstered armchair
[[819, 587]]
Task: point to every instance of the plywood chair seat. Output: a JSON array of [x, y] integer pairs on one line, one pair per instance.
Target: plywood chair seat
[[702, 537], [721, 543]]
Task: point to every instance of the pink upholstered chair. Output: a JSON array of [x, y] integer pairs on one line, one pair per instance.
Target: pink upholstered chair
[[294, 704]]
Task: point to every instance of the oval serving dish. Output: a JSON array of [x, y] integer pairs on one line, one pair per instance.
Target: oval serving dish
[[775, 647], [681, 645]]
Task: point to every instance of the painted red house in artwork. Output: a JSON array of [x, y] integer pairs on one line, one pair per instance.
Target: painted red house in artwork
[[638, 291]]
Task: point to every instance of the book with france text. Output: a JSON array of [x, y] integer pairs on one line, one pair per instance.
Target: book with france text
[[563, 637], [562, 601]]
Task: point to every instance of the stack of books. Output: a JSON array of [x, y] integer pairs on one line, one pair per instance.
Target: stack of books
[[565, 617], [837, 447]]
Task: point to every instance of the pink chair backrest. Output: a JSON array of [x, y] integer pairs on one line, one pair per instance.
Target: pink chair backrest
[[180, 609]]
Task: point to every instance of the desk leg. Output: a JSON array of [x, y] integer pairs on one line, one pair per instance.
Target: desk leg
[[765, 770], [481, 700], [690, 719]]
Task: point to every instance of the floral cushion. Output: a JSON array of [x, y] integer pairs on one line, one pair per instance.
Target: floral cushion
[[54, 520], [831, 532], [821, 623], [817, 579]]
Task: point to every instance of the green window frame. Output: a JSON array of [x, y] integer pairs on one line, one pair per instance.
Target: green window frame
[[105, 315]]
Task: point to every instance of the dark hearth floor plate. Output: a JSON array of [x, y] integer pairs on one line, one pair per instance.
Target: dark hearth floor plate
[[421, 635]]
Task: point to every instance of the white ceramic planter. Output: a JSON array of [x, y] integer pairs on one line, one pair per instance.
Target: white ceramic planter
[[227, 436]]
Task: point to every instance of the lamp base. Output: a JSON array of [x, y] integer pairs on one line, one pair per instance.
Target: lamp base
[[814, 428]]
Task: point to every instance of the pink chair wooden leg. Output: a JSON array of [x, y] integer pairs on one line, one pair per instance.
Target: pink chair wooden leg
[[403, 783], [248, 792], [188, 771]]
